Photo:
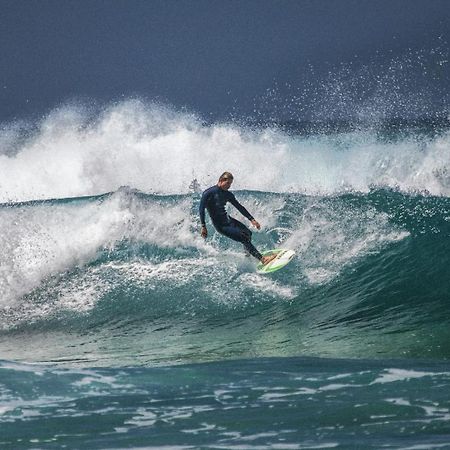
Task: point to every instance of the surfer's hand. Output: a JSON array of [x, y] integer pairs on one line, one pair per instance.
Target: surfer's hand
[[256, 224], [204, 232]]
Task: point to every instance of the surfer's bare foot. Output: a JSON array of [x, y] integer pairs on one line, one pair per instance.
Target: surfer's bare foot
[[266, 259]]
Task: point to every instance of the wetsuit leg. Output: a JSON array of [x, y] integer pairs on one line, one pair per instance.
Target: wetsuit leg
[[239, 232]]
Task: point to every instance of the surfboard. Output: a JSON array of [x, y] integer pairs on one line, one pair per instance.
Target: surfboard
[[283, 257]]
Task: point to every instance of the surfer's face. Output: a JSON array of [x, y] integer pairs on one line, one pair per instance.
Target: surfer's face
[[225, 184]]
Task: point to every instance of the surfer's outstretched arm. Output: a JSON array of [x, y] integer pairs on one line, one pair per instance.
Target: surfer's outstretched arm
[[243, 210], [232, 199]]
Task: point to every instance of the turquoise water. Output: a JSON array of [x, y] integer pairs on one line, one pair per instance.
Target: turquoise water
[[121, 327]]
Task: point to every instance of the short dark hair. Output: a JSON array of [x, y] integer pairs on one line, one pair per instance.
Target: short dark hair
[[226, 176]]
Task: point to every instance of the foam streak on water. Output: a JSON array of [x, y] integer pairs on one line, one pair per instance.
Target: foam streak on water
[[249, 404]]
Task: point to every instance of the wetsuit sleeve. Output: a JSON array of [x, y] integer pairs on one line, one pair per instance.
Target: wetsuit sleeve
[[202, 207], [239, 207]]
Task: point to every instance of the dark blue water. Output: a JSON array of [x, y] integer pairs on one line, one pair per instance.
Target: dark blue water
[[254, 403], [121, 327]]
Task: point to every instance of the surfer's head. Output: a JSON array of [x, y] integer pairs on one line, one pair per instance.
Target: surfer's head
[[225, 181]]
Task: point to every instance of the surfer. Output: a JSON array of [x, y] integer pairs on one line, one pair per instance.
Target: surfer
[[214, 200]]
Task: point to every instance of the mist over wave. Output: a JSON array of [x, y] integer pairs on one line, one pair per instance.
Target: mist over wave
[[75, 152]]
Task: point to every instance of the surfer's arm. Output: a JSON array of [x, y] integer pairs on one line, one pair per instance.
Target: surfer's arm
[[240, 208], [204, 231], [202, 207]]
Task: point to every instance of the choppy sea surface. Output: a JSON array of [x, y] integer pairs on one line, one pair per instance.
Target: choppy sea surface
[[121, 327]]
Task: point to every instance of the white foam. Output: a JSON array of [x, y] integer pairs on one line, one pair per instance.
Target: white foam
[[43, 240], [144, 418], [268, 286], [394, 375], [48, 239], [330, 236], [425, 446], [23, 408], [155, 149]]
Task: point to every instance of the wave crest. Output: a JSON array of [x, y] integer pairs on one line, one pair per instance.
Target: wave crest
[[76, 152]]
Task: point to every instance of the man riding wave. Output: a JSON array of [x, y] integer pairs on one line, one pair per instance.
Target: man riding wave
[[214, 200]]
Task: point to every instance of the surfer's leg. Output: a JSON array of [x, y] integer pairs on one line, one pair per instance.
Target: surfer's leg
[[241, 227], [240, 233], [247, 243], [246, 239]]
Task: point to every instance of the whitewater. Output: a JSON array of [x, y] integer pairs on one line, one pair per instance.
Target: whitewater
[[113, 308], [76, 151]]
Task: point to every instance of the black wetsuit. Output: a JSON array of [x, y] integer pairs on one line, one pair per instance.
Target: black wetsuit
[[214, 200]]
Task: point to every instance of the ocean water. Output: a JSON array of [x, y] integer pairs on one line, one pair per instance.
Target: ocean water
[[121, 327]]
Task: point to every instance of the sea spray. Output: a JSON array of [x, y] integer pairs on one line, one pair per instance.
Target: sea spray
[[73, 152]]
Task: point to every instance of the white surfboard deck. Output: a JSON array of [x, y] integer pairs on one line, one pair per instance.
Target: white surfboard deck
[[284, 256]]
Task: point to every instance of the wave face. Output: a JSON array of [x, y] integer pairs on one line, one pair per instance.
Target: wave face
[[125, 277]]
